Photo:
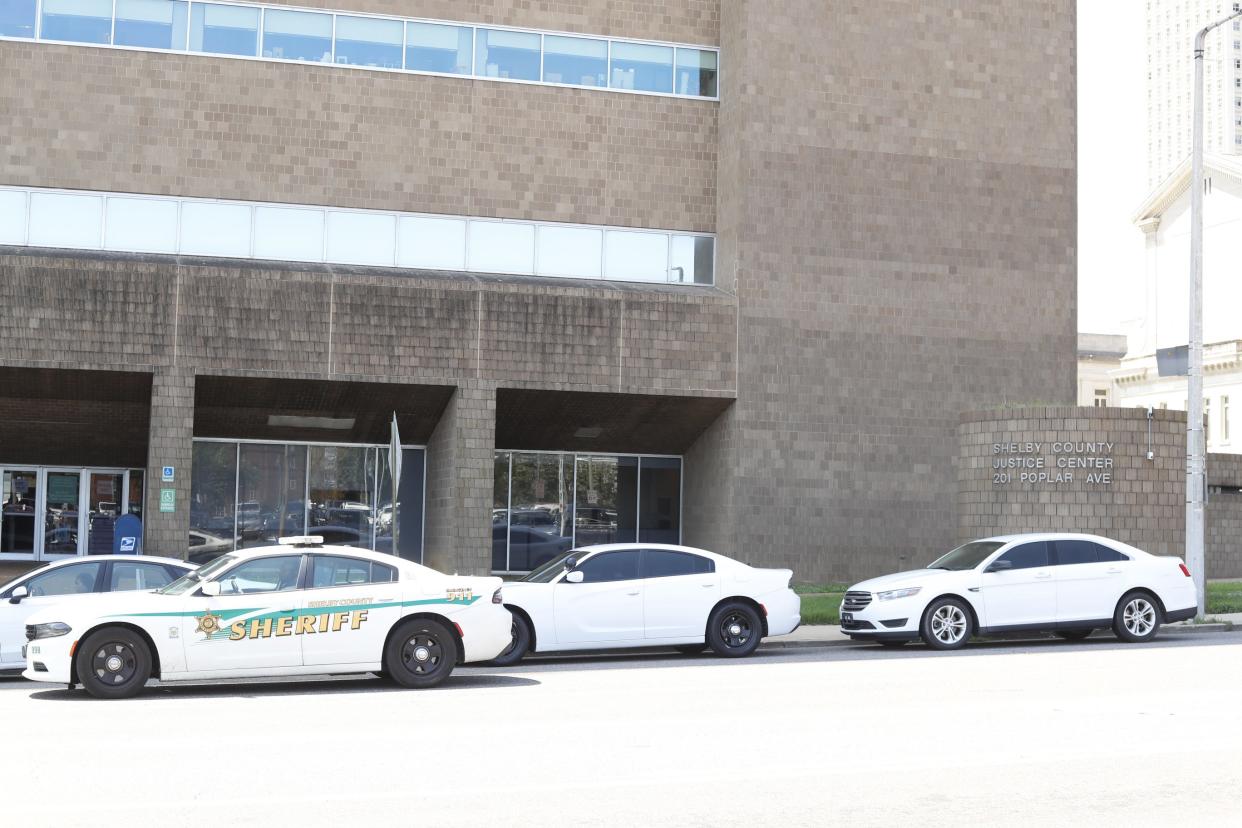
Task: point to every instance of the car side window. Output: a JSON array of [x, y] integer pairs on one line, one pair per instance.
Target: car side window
[[275, 574], [66, 580], [610, 566], [1106, 555], [1027, 556], [1071, 552], [665, 563], [130, 575], [337, 570], [382, 573]]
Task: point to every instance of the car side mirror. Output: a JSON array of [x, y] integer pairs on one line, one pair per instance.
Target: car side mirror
[[999, 566], [570, 562], [211, 589], [18, 593], [574, 577]]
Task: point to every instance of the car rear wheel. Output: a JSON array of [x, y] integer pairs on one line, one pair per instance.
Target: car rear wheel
[[946, 624], [421, 653], [113, 663], [1137, 617], [1074, 635], [734, 629], [519, 643]]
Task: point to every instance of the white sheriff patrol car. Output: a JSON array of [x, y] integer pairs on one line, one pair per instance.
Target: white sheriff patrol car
[[295, 609]]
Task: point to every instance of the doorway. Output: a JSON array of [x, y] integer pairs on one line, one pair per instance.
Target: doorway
[[48, 513]]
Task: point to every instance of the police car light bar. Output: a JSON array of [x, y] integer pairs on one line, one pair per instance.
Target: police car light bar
[[301, 540]]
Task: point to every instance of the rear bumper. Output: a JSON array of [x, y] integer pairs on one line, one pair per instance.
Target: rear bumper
[[784, 610], [486, 633], [1180, 615]]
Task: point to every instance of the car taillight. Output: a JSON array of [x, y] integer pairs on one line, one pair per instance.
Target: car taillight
[[496, 599], [1185, 571]]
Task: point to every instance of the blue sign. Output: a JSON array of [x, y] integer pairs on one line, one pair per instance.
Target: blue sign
[[127, 536], [167, 475]]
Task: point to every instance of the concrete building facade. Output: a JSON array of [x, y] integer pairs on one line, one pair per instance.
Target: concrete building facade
[[723, 273]]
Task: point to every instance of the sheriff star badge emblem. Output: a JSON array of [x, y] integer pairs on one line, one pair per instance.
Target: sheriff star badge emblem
[[208, 623]]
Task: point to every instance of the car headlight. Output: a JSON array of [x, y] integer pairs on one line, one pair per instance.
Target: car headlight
[[52, 630], [897, 593]]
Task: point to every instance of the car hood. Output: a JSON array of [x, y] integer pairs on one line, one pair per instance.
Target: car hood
[[897, 580], [97, 604]]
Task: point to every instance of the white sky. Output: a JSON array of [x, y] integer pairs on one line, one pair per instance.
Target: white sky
[[1112, 162]]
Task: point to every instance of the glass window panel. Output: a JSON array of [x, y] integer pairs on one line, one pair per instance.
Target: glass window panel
[[696, 72], [636, 257], [18, 488], [659, 506], [213, 488], [155, 24], [17, 18], [642, 66], [278, 573], [500, 512], [209, 229], [433, 243], [665, 563], [570, 251], [74, 579], [143, 224], [12, 217], [505, 54], [369, 41], [136, 477], [342, 495], [130, 575], [610, 566], [334, 571], [361, 238], [80, 21], [502, 247], [576, 60], [539, 524], [60, 524], [271, 488], [288, 233], [607, 495], [62, 220], [297, 35], [431, 47], [224, 30], [409, 506], [1027, 556], [693, 260]]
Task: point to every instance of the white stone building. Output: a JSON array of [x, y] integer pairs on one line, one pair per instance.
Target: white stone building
[[1098, 356]]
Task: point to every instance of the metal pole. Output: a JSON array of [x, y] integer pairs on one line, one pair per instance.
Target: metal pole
[[1195, 448]]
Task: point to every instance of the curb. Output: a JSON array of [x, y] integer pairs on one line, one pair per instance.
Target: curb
[[1171, 629]]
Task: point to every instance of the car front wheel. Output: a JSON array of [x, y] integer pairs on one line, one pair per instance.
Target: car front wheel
[[114, 663], [734, 630], [1137, 618], [946, 624], [519, 643], [420, 654]]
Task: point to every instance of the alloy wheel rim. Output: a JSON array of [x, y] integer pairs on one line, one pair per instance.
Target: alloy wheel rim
[[114, 663], [1139, 616], [735, 630], [948, 624], [422, 654]]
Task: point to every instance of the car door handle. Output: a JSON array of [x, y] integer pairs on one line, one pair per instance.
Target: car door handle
[[635, 592], [707, 586], [1114, 571], [1043, 575]]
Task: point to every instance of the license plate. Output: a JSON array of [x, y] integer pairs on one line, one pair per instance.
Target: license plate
[[847, 616]]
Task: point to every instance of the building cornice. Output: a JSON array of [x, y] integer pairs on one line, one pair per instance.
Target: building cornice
[[1171, 189]]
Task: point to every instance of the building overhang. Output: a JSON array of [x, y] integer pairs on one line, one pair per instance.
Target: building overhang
[[1150, 212]]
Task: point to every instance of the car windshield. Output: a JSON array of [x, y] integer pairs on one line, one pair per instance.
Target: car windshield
[[966, 557], [552, 568], [191, 579]]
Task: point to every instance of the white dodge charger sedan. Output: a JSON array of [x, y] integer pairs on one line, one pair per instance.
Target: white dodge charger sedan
[[648, 595], [294, 609], [1062, 583]]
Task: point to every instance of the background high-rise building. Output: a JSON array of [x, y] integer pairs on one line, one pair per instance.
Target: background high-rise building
[[1171, 28]]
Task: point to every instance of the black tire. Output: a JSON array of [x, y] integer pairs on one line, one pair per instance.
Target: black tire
[[1073, 635], [946, 624], [900, 642], [734, 630], [1137, 617], [691, 649], [420, 653], [519, 643], [113, 663]]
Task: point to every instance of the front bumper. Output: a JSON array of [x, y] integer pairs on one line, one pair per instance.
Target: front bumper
[[884, 620], [49, 659]]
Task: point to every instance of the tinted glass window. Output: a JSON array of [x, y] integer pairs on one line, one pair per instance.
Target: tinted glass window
[[369, 41], [128, 575], [276, 574], [382, 574], [224, 30], [1027, 556], [1104, 554], [431, 47], [17, 18], [329, 571], [663, 563], [65, 580], [610, 566], [1076, 552], [505, 54], [155, 24], [81, 21]]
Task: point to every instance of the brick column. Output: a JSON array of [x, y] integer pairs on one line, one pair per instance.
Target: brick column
[[170, 444], [460, 460]]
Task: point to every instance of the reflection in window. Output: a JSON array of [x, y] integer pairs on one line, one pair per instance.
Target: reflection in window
[[636, 257], [501, 247], [430, 47], [693, 259], [17, 18], [213, 487], [74, 579], [607, 495], [136, 478], [297, 35], [659, 505], [342, 494], [696, 72], [505, 54], [224, 30], [575, 60], [153, 24], [500, 512], [271, 487], [642, 66], [79, 21], [539, 524], [369, 41]]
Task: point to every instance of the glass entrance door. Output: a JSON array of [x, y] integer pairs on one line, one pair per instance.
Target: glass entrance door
[[19, 492], [105, 496], [61, 514]]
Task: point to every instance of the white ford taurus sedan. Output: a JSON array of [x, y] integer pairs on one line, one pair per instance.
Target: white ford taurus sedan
[[294, 609], [648, 595], [1062, 583]]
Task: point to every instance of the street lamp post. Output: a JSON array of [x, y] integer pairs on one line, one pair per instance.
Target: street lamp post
[[1195, 447]]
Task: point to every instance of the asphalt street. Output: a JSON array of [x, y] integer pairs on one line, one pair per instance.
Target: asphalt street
[[1031, 733]]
